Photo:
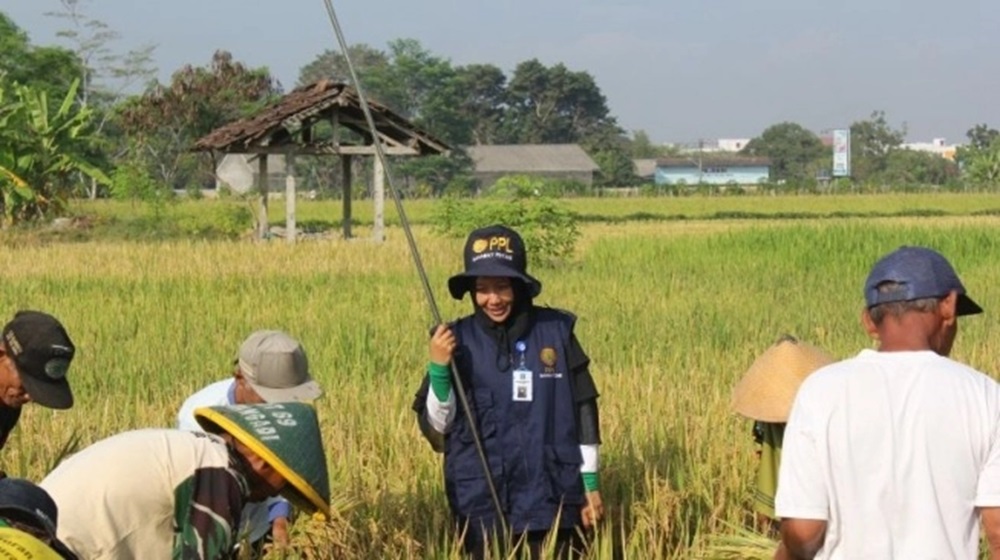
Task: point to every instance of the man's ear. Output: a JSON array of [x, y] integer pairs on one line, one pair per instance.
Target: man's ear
[[869, 324], [948, 308]]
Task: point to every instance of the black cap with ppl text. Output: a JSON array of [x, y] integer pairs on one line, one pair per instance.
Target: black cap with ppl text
[[42, 351], [493, 251], [918, 273]]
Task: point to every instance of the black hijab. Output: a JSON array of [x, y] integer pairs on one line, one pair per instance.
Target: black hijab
[[513, 328]]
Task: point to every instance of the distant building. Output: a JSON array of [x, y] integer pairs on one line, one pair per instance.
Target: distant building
[[935, 146], [712, 170], [644, 169], [732, 144], [724, 145], [551, 161]]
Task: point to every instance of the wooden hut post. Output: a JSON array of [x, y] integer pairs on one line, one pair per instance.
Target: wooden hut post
[[290, 232], [345, 171], [262, 225]]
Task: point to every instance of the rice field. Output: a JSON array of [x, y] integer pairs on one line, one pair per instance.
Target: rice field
[[671, 311]]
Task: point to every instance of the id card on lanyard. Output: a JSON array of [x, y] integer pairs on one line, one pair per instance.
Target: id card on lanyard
[[522, 376]]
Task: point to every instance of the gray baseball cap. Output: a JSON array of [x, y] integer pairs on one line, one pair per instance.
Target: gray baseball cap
[[277, 368]]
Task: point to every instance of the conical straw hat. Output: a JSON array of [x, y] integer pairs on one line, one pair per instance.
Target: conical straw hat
[[768, 388], [287, 437]]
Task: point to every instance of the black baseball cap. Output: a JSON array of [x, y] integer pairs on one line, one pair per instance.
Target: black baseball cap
[[42, 351]]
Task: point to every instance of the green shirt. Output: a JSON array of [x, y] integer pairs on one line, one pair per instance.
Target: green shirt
[[767, 468]]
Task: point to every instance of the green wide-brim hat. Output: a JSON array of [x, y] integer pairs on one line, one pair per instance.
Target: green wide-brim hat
[[287, 437]]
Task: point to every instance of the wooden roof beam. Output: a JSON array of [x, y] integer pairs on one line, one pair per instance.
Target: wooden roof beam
[[345, 150]]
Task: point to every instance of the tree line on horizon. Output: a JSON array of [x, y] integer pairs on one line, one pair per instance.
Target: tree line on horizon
[[69, 126]]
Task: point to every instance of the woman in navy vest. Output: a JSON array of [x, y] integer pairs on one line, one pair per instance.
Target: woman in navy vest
[[531, 397]]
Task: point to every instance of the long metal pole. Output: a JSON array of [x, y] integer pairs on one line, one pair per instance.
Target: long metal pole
[[415, 253]]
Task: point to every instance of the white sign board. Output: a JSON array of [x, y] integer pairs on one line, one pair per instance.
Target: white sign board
[[842, 152], [235, 172]]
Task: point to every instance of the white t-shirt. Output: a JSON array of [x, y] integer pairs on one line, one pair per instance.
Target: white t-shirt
[[894, 450], [216, 394]]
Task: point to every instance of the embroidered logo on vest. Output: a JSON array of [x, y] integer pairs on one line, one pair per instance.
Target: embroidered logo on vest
[[549, 359]]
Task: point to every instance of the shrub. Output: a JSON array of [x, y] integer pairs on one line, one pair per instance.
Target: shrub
[[225, 221], [548, 228]]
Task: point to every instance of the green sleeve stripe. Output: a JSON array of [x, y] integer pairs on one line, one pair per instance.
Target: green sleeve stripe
[[440, 377], [591, 481]]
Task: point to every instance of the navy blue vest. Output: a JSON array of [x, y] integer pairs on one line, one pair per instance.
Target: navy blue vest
[[532, 447]]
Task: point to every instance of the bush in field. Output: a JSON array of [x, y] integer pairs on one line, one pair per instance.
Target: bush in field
[[223, 221], [130, 181], [567, 187], [548, 228]]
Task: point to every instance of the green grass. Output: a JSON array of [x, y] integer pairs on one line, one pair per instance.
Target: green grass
[[671, 312], [231, 218]]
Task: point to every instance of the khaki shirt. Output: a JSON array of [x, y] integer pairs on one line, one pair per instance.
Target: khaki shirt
[[767, 468], [149, 494]]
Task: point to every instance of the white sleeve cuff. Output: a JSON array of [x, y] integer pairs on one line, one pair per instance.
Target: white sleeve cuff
[[440, 415], [591, 461]]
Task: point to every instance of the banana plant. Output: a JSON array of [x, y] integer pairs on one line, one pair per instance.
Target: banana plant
[[7, 141], [41, 152], [983, 166]]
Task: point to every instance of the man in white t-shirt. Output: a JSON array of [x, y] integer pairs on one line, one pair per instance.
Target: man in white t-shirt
[[270, 367], [895, 453]]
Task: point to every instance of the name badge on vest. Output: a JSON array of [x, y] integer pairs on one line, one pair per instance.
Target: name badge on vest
[[521, 375]]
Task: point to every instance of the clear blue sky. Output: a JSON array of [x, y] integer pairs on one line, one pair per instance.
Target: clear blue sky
[[678, 70]]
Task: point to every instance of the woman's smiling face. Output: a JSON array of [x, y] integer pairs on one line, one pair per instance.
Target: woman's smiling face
[[495, 295]]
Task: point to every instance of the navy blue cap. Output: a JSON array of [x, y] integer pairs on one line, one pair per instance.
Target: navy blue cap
[[496, 251], [920, 273], [26, 502]]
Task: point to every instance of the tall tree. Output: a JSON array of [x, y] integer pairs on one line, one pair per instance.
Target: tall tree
[[411, 81], [982, 165], [483, 102], [423, 87], [980, 159], [792, 149], [609, 150], [910, 167], [332, 65], [44, 69], [871, 142], [165, 121], [553, 105], [981, 136], [105, 75], [641, 147], [408, 79]]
